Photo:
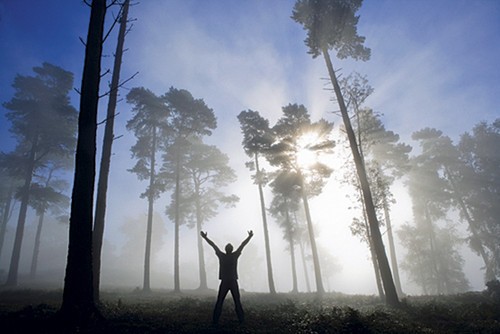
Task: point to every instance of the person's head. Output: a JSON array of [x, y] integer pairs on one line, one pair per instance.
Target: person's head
[[229, 249]]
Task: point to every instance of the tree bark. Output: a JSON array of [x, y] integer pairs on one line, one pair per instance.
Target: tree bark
[[102, 185], [385, 270], [270, 278], [78, 305]]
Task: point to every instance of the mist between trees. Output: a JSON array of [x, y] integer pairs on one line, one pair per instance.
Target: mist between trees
[[297, 171]]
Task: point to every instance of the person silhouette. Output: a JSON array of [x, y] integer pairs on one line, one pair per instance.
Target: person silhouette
[[228, 274]]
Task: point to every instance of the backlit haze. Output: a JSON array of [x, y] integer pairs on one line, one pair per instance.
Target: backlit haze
[[434, 64]]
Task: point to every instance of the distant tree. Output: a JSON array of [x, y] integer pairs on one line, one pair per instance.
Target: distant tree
[[439, 269], [206, 174], [386, 159], [44, 124], [78, 304], [256, 139], [189, 117], [48, 195], [102, 185], [150, 126], [285, 204], [333, 25], [297, 143], [477, 189]]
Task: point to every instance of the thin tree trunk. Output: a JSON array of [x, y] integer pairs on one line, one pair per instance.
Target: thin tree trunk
[[102, 186], [78, 305], [5, 216], [304, 265], [392, 248], [292, 250], [177, 283], [36, 248], [201, 255], [25, 196], [434, 251], [270, 278], [317, 269], [385, 270], [149, 228]]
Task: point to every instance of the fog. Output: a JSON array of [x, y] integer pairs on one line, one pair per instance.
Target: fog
[[251, 55]]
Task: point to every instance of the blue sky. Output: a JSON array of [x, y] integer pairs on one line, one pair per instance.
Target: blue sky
[[434, 63]]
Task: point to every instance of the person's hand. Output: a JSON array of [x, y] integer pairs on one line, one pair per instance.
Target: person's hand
[[203, 234], [250, 233]]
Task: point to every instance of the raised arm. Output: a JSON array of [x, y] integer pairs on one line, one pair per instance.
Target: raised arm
[[245, 242], [210, 242]]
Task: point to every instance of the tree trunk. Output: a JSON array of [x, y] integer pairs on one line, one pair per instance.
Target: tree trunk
[[36, 248], [383, 263], [201, 255], [177, 283], [317, 269], [149, 228], [292, 251], [270, 278], [392, 248], [5, 216], [434, 253], [102, 185], [23, 209], [78, 306], [304, 264]]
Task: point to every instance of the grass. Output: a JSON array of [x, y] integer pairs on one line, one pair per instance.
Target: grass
[[33, 311]]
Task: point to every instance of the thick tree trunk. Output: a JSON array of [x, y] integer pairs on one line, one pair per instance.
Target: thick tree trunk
[[36, 248], [385, 270], [78, 306], [149, 228], [102, 185], [270, 278], [23, 209]]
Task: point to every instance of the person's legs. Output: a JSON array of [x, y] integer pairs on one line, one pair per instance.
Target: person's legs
[[235, 292], [223, 289]]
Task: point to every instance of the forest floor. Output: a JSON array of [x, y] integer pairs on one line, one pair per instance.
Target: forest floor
[[33, 311]]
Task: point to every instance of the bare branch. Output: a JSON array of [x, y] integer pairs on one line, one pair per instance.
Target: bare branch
[[105, 73], [106, 119], [117, 137], [115, 20], [87, 3], [120, 85], [83, 42], [76, 90]]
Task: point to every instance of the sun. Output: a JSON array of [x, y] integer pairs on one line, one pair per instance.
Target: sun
[[306, 156]]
